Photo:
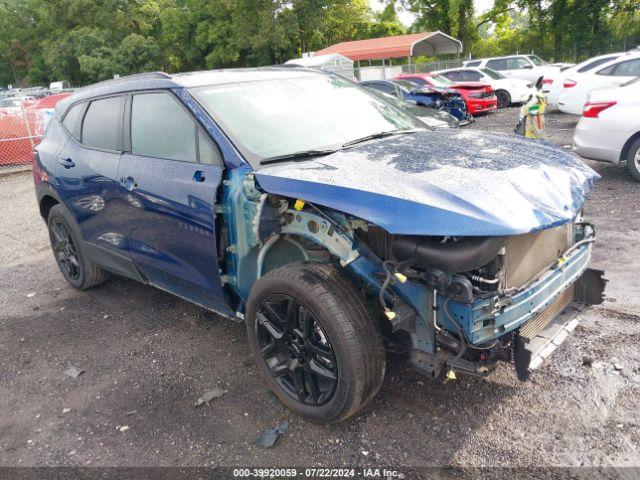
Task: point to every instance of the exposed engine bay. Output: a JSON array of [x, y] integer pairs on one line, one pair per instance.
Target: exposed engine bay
[[453, 304], [472, 270]]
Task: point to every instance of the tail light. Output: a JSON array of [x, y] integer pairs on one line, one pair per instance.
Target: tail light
[[593, 109], [547, 81], [569, 83]]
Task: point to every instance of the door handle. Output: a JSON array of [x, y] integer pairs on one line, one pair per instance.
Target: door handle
[[129, 183], [199, 176], [66, 162]]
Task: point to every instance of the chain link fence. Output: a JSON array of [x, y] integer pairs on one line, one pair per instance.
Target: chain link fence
[[23, 121]]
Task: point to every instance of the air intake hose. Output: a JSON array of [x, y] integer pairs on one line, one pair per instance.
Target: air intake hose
[[468, 253]]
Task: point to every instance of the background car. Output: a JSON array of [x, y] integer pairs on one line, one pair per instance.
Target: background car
[[447, 100], [508, 90], [527, 67], [429, 116], [553, 82], [576, 87], [478, 96], [609, 129], [10, 105]]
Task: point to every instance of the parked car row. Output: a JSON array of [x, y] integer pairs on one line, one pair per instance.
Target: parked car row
[[450, 102], [610, 71], [605, 89], [526, 67], [461, 99]]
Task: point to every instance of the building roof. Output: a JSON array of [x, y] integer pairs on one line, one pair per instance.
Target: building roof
[[425, 43]]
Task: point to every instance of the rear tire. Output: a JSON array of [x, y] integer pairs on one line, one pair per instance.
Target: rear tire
[[68, 250], [504, 99], [334, 369], [633, 160]]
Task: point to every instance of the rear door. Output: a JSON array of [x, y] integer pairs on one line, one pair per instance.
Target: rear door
[[87, 178], [170, 173], [521, 67]]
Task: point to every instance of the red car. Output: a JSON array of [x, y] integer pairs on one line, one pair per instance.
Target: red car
[[479, 96]]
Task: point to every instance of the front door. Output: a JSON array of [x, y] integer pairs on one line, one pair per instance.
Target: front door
[[170, 173]]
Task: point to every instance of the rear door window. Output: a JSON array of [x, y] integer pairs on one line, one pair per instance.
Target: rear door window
[[596, 63], [102, 126], [630, 68], [517, 63], [162, 128], [455, 76], [73, 118], [471, 76], [497, 64]]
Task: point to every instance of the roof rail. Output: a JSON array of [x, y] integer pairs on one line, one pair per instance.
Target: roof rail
[[157, 74]]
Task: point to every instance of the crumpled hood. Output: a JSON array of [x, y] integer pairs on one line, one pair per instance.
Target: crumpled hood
[[446, 182]]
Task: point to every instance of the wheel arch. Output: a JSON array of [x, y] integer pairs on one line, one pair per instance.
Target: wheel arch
[[46, 203], [627, 146]]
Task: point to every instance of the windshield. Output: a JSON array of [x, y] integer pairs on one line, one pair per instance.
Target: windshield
[[284, 116], [537, 61], [440, 81], [492, 74]]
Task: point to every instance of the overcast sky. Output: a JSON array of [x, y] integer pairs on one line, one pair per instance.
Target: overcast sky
[[407, 17]]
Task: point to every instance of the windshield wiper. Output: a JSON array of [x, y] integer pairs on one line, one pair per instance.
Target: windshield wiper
[[380, 135], [296, 155]]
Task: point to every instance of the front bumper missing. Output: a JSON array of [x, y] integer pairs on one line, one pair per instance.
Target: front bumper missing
[[529, 353], [536, 340]]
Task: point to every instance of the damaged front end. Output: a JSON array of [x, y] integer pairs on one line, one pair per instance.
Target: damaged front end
[[463, 304], [467, 260], [454, 304]]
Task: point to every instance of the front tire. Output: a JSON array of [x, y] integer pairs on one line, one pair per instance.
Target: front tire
[[504, 99], [314, 342], [68, 251], [633, 160]]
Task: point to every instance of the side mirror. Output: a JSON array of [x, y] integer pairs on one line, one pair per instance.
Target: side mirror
[[528, 67]]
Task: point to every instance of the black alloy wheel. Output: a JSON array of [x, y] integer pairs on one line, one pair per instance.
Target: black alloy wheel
[[504, 99], [64, 250], [68, 250], [296, 350], [314, 341]]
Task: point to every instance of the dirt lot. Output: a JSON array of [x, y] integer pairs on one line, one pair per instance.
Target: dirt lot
[[148, 356]]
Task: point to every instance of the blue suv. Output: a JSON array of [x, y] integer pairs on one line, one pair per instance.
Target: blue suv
[[330, 221]]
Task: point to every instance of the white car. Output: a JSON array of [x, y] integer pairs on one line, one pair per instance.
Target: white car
[[526, 67], [10, 105], [552, 85], [508, 90], [576, 87], [609, 129]]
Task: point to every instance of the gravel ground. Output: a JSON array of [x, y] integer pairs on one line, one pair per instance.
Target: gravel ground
[[147, 357]]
